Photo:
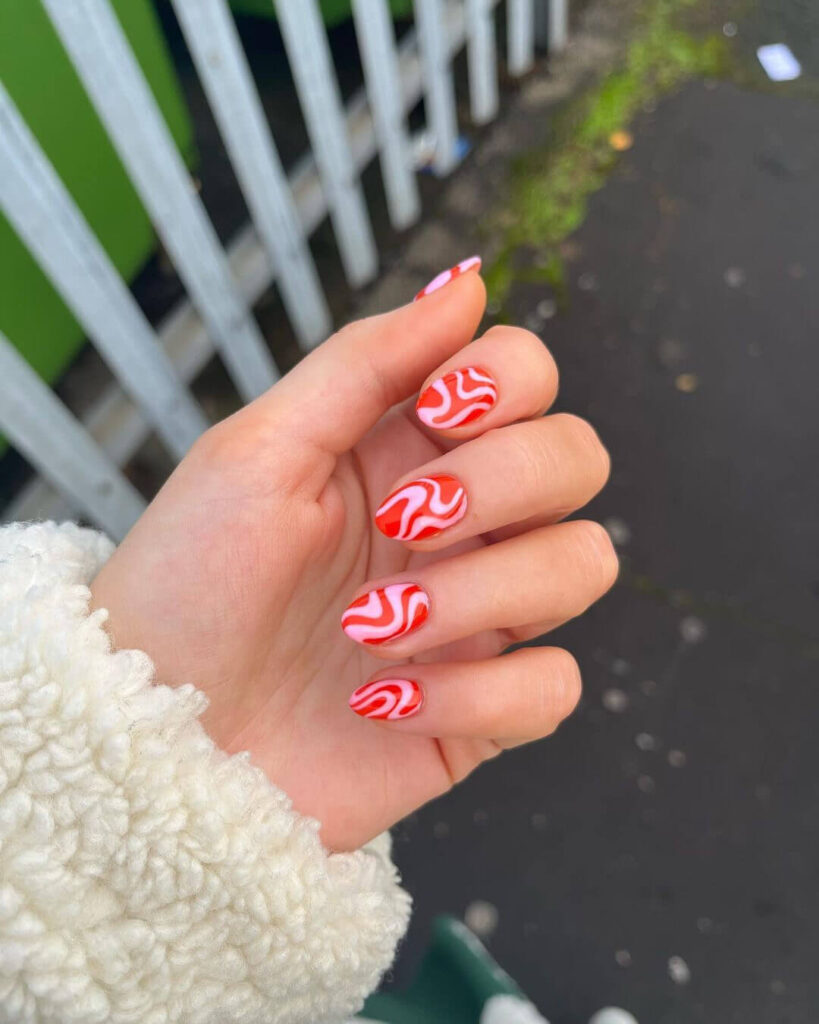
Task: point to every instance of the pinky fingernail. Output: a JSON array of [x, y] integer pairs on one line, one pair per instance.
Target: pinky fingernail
[[473, 263], [388, 699]]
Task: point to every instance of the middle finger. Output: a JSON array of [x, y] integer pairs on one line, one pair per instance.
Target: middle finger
[[544, 468]]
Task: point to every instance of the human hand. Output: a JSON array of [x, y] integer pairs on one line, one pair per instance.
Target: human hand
[[237, 576]]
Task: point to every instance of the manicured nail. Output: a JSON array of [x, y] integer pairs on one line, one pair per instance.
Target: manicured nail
[[388, 699], [473, 263], [422, 508], [386, 613], [458, 397]]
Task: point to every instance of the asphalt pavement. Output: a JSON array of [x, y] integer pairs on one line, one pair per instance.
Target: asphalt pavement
[[661, 851]]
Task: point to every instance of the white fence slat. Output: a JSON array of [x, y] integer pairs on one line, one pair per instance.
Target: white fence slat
[[312, 67], [442, 120], [116, 86], [558, 25], [45, 216], [521, 35], [223, 70], [41, 428], [376, 39], [116, 423], [482, 60]]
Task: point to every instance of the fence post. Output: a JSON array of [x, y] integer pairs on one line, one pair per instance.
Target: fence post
[[439, 89], [44, 431], [314, 75], [521, 33], [223, 70], [482, 59], [377, 43], [558, 25], [116, 86], [45, 216]]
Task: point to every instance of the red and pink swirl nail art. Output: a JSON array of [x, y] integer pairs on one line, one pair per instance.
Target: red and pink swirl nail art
[[386, 613], [458, 397], [473, 263], [388, 699], [422, 508]]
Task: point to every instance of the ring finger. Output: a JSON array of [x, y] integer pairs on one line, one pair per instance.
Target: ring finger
[[553, 574]]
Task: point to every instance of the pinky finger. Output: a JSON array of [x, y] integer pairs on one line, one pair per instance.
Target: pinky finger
[[514, 698]]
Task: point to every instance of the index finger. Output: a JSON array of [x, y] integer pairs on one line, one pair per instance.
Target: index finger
[[343, 387]]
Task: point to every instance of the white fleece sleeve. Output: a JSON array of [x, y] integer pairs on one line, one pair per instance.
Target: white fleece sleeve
[[145, 876]]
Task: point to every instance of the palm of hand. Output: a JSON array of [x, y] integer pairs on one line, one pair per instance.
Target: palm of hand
[[356, 778], [236, 577]]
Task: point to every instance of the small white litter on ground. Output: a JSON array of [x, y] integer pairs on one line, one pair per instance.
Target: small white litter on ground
[[645, 741], [505, 1009], [481, 917], [622, 958], [678, 970], [646, 784], [693, 630], [649, 687], [734, 277], [440, 830], [618, 530], [779, 62], [615, 700], [729, 29], [705, 925], [676, 758], [546, 309], [620, 667], [613, 1015]]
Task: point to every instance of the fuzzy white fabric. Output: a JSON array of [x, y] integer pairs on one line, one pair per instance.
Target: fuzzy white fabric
[[145, 876]]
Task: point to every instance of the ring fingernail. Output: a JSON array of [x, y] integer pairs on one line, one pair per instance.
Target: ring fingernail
[[458, 397], [386, 613], [422, 508], [473, 263], [388, 699]]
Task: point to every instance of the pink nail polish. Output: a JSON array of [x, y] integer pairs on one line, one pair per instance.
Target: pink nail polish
[[388, 699], [422, 508], [386, 613], [457, 398], [473, 263]]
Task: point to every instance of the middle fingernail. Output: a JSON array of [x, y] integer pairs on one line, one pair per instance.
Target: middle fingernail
[[457, 398], [422, 508], [386, 613]]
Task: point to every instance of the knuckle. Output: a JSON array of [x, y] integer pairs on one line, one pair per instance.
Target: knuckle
[[598, 556], [567, 685], [532, 458], [590, 448], [553, 691], [534, 352], [217, 445]]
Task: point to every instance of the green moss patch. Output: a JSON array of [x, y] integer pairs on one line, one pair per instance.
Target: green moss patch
[[550, 187]]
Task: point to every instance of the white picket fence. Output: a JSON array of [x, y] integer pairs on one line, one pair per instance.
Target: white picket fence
[[78, 461]]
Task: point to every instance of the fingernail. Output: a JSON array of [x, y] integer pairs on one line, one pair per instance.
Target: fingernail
[[458, 397], [386, 613], [473, 263], [388, 699], [422, 508]]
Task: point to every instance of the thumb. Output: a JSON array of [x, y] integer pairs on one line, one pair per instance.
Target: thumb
[[343, 387]]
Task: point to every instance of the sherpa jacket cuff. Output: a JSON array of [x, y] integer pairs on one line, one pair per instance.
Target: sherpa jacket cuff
[[145, 876]]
